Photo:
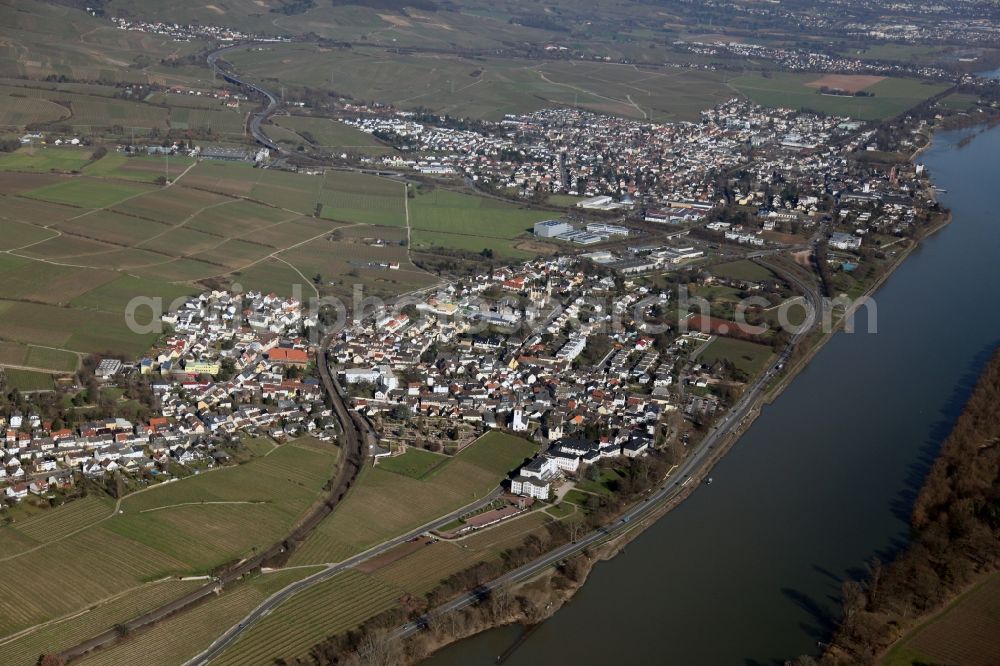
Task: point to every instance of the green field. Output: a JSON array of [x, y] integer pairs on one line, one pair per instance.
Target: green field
[[892, 96], [27, 380], [79, 554], [415, 463], [352, 197], [24, 651], [959, 102], [743, 269], [444, 211], [749, 357], [334, 135], [452, 220], [489, 88], [43, 159], [181, 637], [383, 504], [87, 192]]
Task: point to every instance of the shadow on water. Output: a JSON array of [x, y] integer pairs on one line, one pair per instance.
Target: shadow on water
[[902, 504], [824, 622]]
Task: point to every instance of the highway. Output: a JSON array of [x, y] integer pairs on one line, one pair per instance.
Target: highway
[[272, 102]]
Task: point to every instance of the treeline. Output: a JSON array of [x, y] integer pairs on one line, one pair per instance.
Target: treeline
[[373, 642], [955, 536]]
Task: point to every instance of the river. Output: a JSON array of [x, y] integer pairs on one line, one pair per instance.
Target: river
[[748, 570]]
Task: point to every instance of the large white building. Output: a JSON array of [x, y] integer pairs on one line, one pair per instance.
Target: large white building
[[535, 478], [552, 228]]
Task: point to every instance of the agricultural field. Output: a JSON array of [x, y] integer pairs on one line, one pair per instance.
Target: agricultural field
[[177, 639], [959, 102], [444, 211], [113, 233], [331, 607], [747, 356], [217, 121], [743, 269], [452, 220], [44, 159], [489, 88], [24, 650], [87, 192], [348, 599], [967, 632], [415, 463], [334, 135], [384, 503], [359, 198], [244, 507], [421, 571], [44, 39], [27, 380], [891, 96], [185, 527], [429, 241], [93, 110], [144, 169], [20, 111]]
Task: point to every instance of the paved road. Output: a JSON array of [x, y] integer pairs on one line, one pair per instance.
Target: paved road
[[666, 492], [654, 501], [331, 570], [272, 102]]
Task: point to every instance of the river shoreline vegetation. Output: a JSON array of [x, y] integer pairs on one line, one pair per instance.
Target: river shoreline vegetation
[[955, 542], [131, 163]]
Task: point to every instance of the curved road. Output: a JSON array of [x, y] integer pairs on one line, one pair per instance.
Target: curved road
[[259, 117], [655, 500], [331, 570], [664, 493]]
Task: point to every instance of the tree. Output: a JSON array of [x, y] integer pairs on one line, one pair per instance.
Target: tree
[[50, 659], [377, 648], [575, 525]]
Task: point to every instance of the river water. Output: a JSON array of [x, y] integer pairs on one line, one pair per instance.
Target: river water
[[748, 570]]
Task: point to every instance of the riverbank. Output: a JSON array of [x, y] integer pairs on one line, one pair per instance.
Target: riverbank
[[956, 545], [814, 345]]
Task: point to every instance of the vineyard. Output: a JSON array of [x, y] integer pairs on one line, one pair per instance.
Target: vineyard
[[177, 639], [384, 504], [24, 651], [330, 608], [188, 526]]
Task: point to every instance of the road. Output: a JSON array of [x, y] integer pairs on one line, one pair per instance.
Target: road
[[275, 600], [673, 487], [258, 118], [355, 436]]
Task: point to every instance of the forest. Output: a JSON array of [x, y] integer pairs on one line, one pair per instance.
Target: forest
[[955, 537]]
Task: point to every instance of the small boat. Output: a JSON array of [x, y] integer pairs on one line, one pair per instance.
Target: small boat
[[708, 481]]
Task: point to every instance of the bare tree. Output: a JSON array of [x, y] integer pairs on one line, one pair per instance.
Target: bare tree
[[501, 601], [377, 648], [575, 525]]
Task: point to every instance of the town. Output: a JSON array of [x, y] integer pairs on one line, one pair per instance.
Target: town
[[528, 347]]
